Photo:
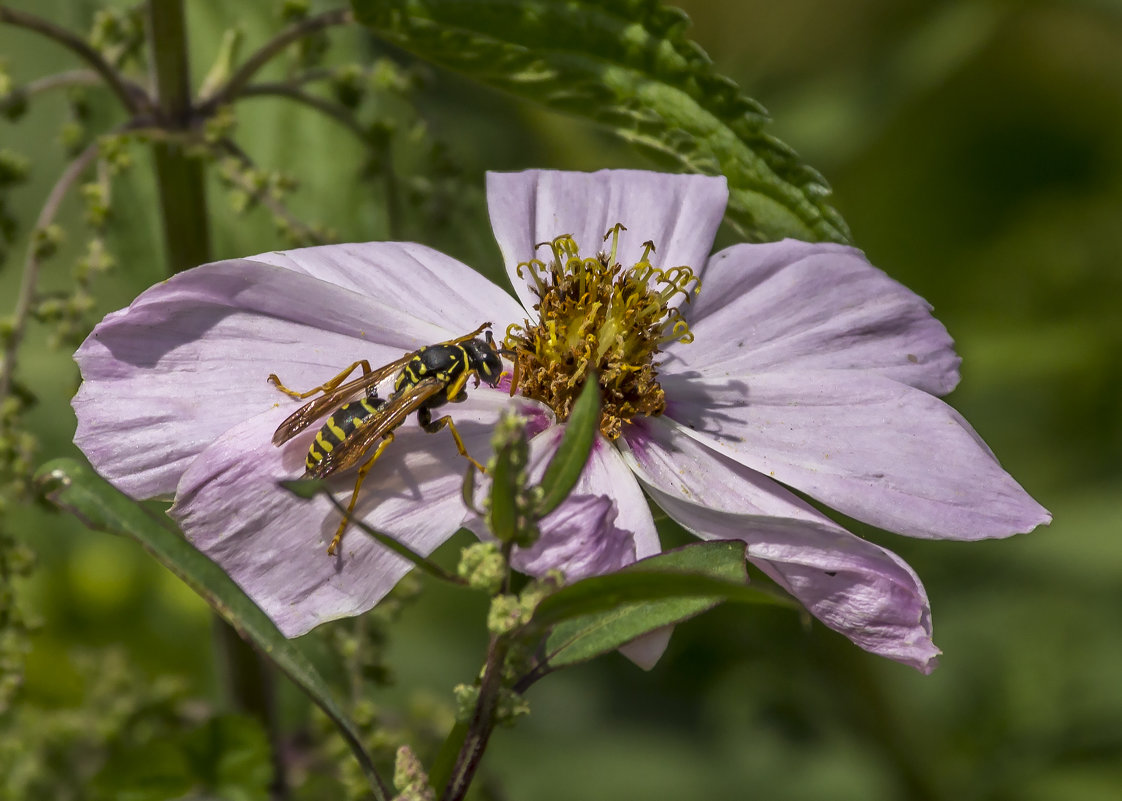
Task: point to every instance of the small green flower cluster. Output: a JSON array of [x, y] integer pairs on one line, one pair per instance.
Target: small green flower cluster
[[118, 34]]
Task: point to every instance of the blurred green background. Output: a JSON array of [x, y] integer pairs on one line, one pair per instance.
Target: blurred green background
[[975, 148]]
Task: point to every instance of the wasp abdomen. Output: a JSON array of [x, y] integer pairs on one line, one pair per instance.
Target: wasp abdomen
[[346, 419]]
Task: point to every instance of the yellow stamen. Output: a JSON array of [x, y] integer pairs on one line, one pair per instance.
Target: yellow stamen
[[594, 314]]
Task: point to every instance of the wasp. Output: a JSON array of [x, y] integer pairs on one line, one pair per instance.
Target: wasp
[[359, 417]]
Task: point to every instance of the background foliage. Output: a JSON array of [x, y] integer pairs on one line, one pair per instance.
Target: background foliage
[[973, 150]]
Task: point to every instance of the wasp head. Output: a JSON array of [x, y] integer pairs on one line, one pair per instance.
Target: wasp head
[[485, 359]]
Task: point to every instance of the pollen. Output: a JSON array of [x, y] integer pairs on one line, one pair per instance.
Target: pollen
[[597, 316]]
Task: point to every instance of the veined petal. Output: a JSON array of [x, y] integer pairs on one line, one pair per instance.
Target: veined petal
[[855, 587], [413, 280], [274, 545], [793, 306], [680, 213], [580, 539], [190, 357], [868, 446]]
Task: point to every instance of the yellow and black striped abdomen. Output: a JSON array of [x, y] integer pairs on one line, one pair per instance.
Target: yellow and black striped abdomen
[[344, 422]]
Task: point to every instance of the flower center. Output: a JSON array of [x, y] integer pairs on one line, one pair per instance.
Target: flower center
[[596, 315]]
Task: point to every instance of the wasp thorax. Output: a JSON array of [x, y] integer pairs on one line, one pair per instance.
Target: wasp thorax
[[596, 315]]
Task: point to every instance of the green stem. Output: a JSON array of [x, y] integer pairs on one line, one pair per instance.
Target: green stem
[[479, 728], [180, 178]]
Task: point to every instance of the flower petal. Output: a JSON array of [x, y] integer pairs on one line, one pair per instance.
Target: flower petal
[[580, 539], [868, 446], [679, 212], [189, 358], [855, 587], [788, 306], [413, 280], [604, 475], [274, 544]]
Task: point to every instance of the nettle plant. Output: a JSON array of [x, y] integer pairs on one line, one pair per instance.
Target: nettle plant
[[324, 417]]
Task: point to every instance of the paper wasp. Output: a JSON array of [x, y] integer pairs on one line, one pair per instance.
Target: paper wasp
[[426, 378]]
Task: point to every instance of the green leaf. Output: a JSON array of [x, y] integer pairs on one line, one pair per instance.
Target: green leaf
[[572, 453], [77, 489], [627, 65], [599, 614]]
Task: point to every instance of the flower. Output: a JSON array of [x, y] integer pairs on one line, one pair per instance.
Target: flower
[[727, 379]]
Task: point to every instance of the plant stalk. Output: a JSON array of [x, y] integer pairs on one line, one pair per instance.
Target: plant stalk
[[180, 178]]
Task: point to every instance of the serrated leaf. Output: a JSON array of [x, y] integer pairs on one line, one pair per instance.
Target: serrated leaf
[[599, 614], [628, 65], [78, 490], [568, 462]]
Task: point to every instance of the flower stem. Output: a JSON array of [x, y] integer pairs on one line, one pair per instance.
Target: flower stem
[[180, 179], [480, 726]]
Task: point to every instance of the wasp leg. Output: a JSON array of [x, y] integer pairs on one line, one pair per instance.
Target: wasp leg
[[424, 417], [325, 388], [362, 471]]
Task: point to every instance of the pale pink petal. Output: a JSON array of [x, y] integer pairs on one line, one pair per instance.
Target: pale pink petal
[[868, 446], [680, 213], [855, 587], [414, 280], [580, 539], [274, 545], [645, 651], [190, 357], [606, 475], [791, 306]]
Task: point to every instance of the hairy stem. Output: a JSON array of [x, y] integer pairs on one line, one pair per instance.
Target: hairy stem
[[132, 97], [245, 73]]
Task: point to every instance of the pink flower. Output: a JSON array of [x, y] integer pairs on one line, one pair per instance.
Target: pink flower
[[795, 365]]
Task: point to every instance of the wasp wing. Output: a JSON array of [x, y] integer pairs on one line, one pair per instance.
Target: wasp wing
[[351, 450], [327, 402]]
